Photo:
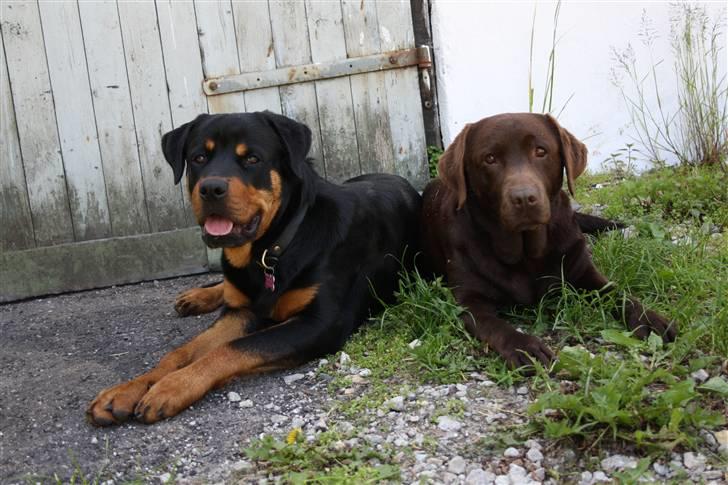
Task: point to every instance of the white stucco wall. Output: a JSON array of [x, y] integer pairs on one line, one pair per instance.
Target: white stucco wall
[[482, 55]]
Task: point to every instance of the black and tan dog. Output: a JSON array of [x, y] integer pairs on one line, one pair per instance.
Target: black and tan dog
[[300, 258]]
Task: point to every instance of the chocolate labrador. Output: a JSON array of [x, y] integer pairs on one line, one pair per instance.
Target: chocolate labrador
[[498, 225]]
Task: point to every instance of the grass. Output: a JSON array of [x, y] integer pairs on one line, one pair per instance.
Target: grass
[[607, 390]]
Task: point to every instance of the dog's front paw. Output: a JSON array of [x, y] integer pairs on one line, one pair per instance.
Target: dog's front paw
[[198, 301], [115, 404], [643, 321], [167, 398], [519, 348]]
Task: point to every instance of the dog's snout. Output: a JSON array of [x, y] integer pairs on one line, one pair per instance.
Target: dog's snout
[[524, 197], [213, 189]]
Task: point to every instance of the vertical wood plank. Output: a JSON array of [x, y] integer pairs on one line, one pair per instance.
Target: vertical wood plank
[[183, 66], [114, 117], [152, 117], [291, 47], [368, 90], [255, 51], [335, 106], [403, 94], [14, 204], [75, 119], [216, 33], [36, 122]]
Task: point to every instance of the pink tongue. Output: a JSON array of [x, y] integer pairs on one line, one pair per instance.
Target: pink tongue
[[218, 226]]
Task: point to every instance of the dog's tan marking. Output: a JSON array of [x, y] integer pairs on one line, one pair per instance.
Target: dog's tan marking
[[234, 298], [293, 302]]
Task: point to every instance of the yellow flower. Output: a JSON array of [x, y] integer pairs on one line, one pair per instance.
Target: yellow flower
[[293, 436]]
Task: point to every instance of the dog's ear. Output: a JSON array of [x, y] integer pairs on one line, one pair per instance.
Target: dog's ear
[[451, 166], [296, 137], [173, 146], [573, 151]]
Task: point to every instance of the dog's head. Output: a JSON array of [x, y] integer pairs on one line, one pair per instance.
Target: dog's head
[[513, 164], [241, 171]]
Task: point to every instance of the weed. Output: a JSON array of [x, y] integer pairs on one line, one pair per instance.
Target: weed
[[697, 132], [327, 459], [433, 156]]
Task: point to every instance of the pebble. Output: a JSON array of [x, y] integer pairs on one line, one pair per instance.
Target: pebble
[[414, 344], [516, 473], [533, 444], [618, 462], [344, 359], [661, 469], [693, 460], [600, 476], [94, 440], [234, 396], [700, 375], [357, 379], [165, 477], [446, 423], [721, 437], [512, 452], [586, 478], [534, 455], [478, 476], [365, 373], [394, 404], [522, 391], [278, 418], [290, 379], [457, 465], [502, 480], [246, 404], [539, 474], [241, 465]]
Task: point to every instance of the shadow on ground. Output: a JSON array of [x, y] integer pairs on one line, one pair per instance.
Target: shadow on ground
[[58, 352]]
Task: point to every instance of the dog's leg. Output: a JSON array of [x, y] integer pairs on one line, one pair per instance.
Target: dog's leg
[[281, 346], [631, 311], [482, 323], [117, 403], [201, 300]]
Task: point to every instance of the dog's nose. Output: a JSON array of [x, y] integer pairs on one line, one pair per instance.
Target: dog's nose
[[523, 197], [213, 189]]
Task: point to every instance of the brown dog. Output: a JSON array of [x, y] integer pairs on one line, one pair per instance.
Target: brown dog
[[498, 226]]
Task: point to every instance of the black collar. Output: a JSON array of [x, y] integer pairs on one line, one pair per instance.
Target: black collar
[[270, 256]]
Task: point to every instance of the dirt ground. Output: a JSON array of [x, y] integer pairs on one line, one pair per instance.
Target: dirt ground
[[58, 352]]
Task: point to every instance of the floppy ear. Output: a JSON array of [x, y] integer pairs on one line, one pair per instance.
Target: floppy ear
[[296, 137], [451, 166], [173, 147], [573, 151]]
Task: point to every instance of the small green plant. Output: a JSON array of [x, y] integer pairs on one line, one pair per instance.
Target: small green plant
[[327, 459], [622, 161], [697, 131], [433, 156]]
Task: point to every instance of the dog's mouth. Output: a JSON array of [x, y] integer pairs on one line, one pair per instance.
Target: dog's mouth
[[219, 231]]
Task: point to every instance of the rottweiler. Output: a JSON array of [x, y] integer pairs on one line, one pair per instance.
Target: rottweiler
[[304, 260]]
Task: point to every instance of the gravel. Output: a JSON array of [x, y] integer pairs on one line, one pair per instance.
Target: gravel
[[70, 347]]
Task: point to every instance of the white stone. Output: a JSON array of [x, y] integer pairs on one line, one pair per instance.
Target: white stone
[[723, 450], [165, 477], [94, 440], [700, 375], [394, 404], [502, 480], [512, 452], [539, 474], [600, 476], [241, 465], [322, 362], [357, 379], [344, 359], [290, 379], [534, 455], [586, 478], [420, 456], [298, 422], [365, 373], [618, 462], [456, 465], [722, 437], [693, 460], [516, 473], [523, 390], [478, 476], [414, 344], [234, 396], [660, 469], [446, 423], [278, 418], [246, 403]]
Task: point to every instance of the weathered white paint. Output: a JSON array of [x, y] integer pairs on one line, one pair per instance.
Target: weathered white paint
[[482, 52], [374, 134], [36, 121], [75, 119], [255, 50], [114, 117], [14, 205], [336, 109], [216, 30], [151, 112]]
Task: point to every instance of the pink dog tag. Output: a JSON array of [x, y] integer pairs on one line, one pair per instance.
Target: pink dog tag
[[270, 281]]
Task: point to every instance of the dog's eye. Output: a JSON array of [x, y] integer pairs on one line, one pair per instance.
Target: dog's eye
[[489, 159], [251, 160], [540, 152], [200, 159]]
